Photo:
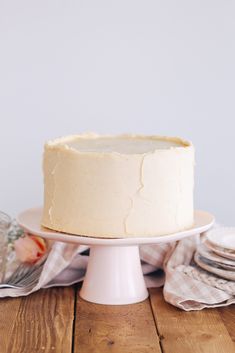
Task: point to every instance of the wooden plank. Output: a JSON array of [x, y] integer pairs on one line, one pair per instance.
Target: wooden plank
[[228, 316], [40, 322], [116, 329], [9, 308], [186, 332]]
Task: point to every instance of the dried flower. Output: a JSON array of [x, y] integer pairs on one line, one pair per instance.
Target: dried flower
[[30, 248]]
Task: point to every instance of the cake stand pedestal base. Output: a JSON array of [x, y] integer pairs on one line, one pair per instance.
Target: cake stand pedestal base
[[114, 276]]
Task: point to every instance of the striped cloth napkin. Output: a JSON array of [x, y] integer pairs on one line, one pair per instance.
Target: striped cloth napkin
[[171, 265]]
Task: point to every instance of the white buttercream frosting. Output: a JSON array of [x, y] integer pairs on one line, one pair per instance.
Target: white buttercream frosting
[[120, 144], [118, 186]]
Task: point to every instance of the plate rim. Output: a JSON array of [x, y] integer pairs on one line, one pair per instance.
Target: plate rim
[[212, 269], [210, 233], [220, 252], [214, 256]]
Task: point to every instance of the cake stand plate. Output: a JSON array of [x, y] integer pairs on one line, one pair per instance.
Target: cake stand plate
[[114, 274]]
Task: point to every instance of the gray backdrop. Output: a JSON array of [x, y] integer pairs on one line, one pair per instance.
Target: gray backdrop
[[155, 67]]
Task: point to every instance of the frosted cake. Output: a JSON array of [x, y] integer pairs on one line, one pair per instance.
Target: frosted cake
[[118, 186]]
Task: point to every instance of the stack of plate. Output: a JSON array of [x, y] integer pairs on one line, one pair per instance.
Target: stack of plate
[[216, 253]]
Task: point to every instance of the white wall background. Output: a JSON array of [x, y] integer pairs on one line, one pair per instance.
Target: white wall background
[[150, 66]]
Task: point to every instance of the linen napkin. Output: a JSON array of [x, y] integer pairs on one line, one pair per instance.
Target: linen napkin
[[184, 284], [187, 286]]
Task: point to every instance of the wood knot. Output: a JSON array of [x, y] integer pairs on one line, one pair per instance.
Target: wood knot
[[110, 342]]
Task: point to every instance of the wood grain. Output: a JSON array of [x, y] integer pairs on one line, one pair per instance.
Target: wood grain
[[228, 316], [9, 308], [44, 322], [117, 329], [186, 332], [41, 322]]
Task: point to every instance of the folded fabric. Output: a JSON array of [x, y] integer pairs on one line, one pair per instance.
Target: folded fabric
[[185, 285]]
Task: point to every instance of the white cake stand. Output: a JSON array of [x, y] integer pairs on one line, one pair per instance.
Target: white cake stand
[[114, 275]]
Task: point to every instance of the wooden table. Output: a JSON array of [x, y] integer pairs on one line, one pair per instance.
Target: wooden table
[[58, 320]]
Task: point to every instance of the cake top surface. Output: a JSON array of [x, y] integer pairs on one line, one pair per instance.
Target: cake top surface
[[123, 144]]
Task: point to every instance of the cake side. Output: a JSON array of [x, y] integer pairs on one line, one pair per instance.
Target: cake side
[[114, 194]]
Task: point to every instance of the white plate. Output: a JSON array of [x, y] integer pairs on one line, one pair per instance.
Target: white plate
[[30, 220], [211, 255], [230, 275], [220, 251], [223, 237], [216, 264]]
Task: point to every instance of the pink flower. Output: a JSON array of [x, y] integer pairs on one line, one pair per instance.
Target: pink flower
[[30, 248]]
